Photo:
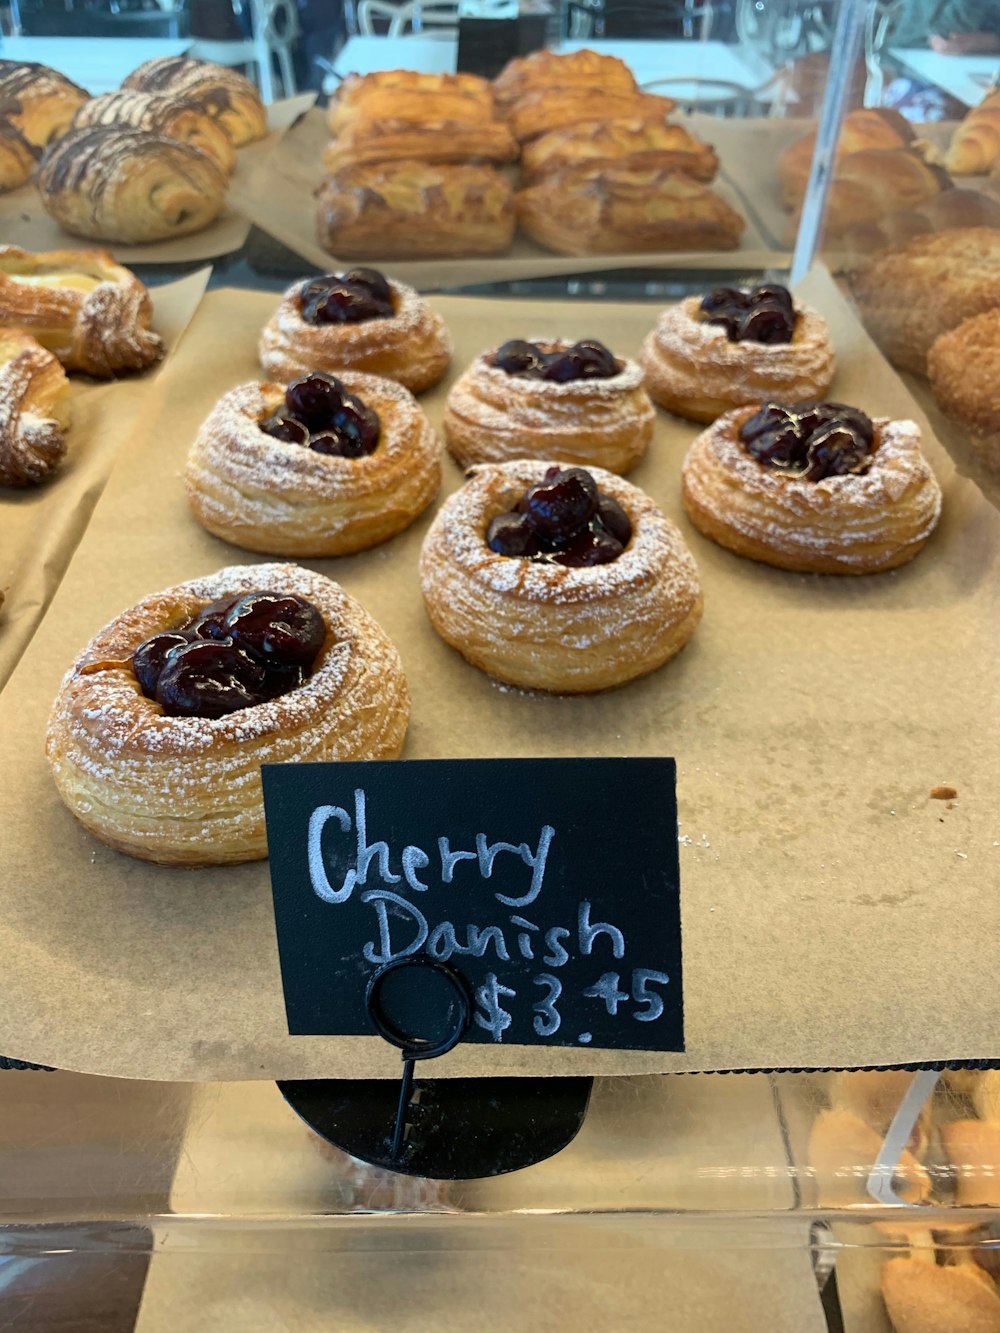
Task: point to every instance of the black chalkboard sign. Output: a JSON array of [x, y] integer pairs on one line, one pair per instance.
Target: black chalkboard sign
[[550, 885]]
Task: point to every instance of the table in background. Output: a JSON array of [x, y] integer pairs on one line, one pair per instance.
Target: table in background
[[965, 77], [427, 55], [97, 65]]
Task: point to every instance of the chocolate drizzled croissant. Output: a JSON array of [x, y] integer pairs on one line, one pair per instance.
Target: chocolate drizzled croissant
[[37, 101], [111, 183], [172, 117], [222, 93]]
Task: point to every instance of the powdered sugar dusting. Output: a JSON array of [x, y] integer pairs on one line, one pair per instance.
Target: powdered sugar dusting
[[656, 552], [897, 498], [693, 358], [414, 336]]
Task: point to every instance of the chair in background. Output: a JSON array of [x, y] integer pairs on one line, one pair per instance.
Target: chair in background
[[42, 18], [274, 25], [426, 18]]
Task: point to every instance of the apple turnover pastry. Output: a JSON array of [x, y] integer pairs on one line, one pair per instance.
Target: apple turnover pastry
[[169, 116], [356, 320], [594, 210], [819, 488], [90, 312], [568, 580], [112, 183], [404, 94], [34, 410], [393, 140], [569, 403], [733, 347], [224, 94], [586, 69], [549, 109], [160, 726], [415, 210], [325, 467], [634, 140], [37, 101]]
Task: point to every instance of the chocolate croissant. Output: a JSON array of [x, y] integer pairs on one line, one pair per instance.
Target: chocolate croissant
[[37, 101], [34, 410], [17, 160], [172, 117], [225, 95], [115, 184]]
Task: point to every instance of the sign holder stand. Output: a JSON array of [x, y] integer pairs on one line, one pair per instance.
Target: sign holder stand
[[445, 1129]]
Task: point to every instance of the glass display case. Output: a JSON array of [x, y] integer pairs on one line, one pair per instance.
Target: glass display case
[[530, 179]]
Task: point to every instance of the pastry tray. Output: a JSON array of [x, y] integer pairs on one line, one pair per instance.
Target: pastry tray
[[24, 222], [41, 525], [833, 914], [278, 197]]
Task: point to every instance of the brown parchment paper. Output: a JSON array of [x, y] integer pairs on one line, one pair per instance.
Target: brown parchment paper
[[41, 525], [454, 1257], [279, 199], [833, 914], [24, 222]]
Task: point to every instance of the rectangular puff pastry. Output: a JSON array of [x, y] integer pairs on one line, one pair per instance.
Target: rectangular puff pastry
[[415, 210], [435, 141], [591, 210]]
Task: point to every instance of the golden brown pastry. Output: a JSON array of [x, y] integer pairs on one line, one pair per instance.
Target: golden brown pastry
[[543, 625], [632, 139], [546, 110], [283, 497], [224, 94], [545, 69], [975, 146], [925, 1297], [90, 312], [185, 790], [963, 367], [592, 210], [391, 140], [493, 416], [910, 295], [876, 181], [37, 101], [859, 521], [868, 127], [413, 210], [115, 184], [944, 211], [403, 94], [17, 160], [971, 1147], [173, 117], [34, 410], [409, 345], [694, 369]]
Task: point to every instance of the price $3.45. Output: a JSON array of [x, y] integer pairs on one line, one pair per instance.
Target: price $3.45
[[491, 997]]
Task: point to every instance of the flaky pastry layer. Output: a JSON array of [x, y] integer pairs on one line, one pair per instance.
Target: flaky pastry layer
[[283, 499], [693, 369], [413, 347], [637, 139], [394, 140], [599, 74], [17, 160], [186, 790], [549, 109], [544, 626], [413, 210], [405, 94], [34, 410], [840, 525], [165, 114], [90, 312], [493, 417], [223, 93], [963, 366], [37, 101]]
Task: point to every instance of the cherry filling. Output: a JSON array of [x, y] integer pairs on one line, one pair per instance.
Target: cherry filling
[[763, 314], [236, 652], [346, 298], [321, 415], [810, 440], [584, 360], [564, 520]]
